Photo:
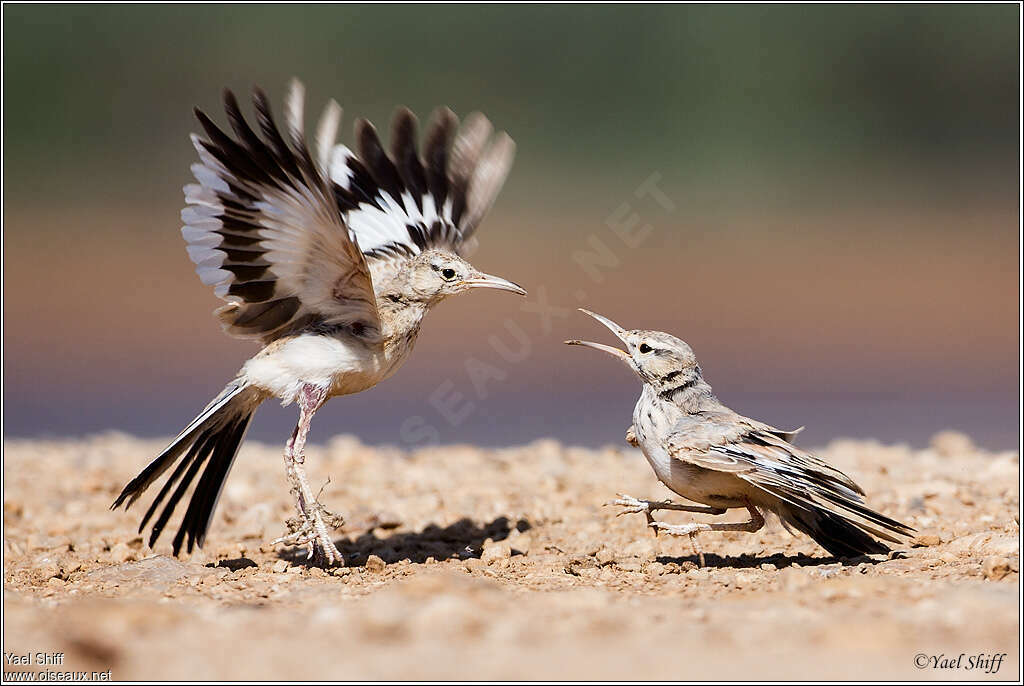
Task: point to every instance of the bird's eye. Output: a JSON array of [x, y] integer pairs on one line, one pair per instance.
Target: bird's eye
[[644, 348], [448, 273]]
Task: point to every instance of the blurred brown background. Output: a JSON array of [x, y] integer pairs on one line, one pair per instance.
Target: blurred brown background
[[841, 252]]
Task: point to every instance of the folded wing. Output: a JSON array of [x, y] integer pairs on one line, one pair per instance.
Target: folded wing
[[764, 459]]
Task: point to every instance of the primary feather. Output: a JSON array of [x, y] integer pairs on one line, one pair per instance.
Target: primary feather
[[290, 239]]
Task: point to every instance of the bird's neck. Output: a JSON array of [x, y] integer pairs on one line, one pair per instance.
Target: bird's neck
[[400, 317], [691, 394]]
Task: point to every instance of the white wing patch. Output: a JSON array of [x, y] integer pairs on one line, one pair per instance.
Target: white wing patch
[[263, 227], [290, 237]]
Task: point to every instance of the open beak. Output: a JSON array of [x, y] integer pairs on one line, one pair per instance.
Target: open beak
[[488, 281], [615, 329]]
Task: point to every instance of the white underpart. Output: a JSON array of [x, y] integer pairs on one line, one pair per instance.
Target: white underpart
[[339, 365], [647, 434], [651, 428]]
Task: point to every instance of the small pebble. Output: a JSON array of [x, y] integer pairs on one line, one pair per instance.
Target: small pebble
[[121, 553], [494, 552], [280, 567], [631, 565], [995, 568], [952, 444], [49, 570], [744, 579], [374, 564]]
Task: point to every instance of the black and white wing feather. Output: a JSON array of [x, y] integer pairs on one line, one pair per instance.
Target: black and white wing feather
[[264, 228], [289, 239], [400, 204], [757, 454]]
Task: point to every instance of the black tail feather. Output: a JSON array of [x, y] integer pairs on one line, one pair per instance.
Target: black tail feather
[[173, 478], [835, 534], [212, 439], [193, 468], [151, 473], [204, 499]]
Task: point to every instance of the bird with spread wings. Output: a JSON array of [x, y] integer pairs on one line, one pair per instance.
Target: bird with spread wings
[[330, 258]]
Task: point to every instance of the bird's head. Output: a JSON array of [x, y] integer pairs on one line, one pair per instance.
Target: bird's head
[[434, 275], [658, 358]]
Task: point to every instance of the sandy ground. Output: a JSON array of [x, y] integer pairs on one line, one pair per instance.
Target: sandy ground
[[502, 564]]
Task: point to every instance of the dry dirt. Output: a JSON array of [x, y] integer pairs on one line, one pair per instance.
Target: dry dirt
[[502, 564]]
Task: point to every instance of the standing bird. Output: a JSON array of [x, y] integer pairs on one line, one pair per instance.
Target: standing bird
[[328, 258], [709, 454]]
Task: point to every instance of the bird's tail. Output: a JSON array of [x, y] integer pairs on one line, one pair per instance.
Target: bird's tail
[[211, 439], [842, 536]]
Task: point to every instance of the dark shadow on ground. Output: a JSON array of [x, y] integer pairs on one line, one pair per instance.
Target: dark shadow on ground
[[748, 561], [462, 540]]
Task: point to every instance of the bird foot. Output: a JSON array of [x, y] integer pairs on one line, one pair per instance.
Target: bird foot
[[312, 531], [680, 529], [630, 505], [690, 530]]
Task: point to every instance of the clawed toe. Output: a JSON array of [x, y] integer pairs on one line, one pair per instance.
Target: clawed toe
[[311, 531], [630, 505], [679, 529]]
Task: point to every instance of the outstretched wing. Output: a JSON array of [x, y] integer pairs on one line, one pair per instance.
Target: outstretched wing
[[401, 204], [265, 229]]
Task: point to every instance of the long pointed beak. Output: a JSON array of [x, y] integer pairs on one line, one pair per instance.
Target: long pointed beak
[[489, 281], [612, 326], [615, 329], [602, 347]]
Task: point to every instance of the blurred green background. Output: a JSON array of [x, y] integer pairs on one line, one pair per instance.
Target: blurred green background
[[842, 250]]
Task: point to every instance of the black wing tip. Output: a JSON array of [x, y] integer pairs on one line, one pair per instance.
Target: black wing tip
[[404, 129], [212, 130], [363, 128], [231, 103], [403, 120], [444, 115]]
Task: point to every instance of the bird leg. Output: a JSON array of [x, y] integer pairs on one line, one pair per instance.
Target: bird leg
[[633, 505], [692, 529], [310, 528]]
